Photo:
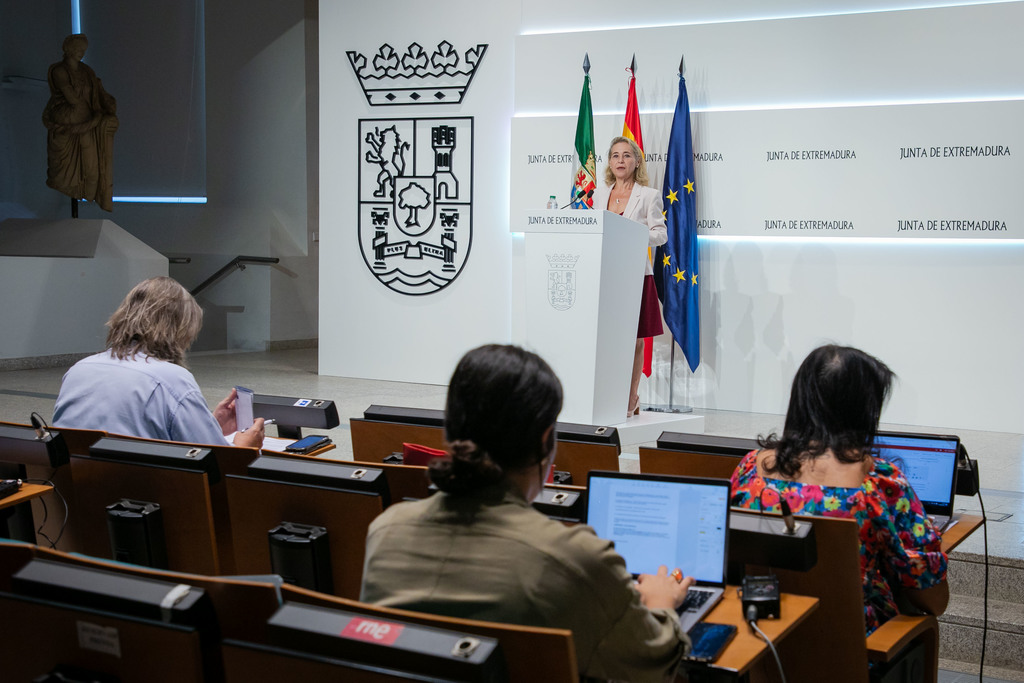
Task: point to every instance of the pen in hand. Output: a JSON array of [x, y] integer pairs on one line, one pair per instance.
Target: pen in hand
[[265, 423]]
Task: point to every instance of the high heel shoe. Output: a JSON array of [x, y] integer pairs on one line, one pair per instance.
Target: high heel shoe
[[634, 406]]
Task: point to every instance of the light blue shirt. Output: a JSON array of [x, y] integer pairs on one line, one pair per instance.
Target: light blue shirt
[[140, 396]]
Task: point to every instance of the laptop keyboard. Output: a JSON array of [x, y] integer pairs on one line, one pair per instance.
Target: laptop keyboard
[[694, 600]]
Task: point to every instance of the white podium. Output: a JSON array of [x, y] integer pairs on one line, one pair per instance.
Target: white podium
[[584, 278]]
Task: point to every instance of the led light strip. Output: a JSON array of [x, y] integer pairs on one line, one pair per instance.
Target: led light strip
[[776, 17], [160, 200]]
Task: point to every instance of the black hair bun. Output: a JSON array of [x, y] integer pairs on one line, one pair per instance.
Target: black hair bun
[[465, 468]]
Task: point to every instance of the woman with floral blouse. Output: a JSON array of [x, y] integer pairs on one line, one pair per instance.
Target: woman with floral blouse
[[823, 465]]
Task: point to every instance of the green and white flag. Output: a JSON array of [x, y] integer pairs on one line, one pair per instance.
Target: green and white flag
[[585, 168]]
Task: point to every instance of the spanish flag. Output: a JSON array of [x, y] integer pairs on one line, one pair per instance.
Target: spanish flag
[[631, 130], [631, 126]]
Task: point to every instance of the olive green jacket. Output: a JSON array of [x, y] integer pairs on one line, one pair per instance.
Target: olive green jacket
[[491, 556]]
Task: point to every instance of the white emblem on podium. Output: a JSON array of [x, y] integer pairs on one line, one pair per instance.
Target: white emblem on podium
[[562, 280]]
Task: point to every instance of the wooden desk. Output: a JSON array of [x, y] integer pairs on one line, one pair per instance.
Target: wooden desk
[[287, 454], [966, 525], [747, 648], [26, 493]]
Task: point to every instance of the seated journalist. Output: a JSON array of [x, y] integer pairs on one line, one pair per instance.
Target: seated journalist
[[479, 550], [139, 385], [823, 465]]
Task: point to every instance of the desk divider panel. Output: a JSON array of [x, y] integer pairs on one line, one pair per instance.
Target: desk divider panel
[[581, 448], [373, 441], [242, 605], [258, 505], [832, 639], [183, 496], [44, 635], [662, 461], [77, 442]]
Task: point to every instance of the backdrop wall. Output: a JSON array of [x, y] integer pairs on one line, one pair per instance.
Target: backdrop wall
[[368, 329], [939, 313]]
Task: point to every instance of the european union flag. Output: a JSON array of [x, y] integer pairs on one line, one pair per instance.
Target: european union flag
[[676, 263]]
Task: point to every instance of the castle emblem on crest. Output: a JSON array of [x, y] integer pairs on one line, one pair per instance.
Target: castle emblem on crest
[[562, 280], [415, 200], [441, 77]]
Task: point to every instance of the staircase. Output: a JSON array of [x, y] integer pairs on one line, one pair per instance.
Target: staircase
[[960, 628]]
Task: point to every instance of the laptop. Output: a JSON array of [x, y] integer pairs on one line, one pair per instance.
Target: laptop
[[660, 519], [929, 463]]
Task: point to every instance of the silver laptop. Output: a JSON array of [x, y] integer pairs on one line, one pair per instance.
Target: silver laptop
[[929, 463], [660, 519]]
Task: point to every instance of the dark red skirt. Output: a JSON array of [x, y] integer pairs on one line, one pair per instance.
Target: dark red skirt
[[650, 311]]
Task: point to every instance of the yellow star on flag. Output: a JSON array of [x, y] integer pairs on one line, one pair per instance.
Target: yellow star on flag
[[688, 186], [666, 260], [679, 275], [672, 196], [694, 282]]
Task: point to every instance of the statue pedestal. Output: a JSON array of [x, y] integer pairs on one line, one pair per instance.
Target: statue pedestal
[[61, 280]]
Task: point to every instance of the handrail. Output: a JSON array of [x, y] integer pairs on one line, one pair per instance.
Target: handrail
[[237, 262]]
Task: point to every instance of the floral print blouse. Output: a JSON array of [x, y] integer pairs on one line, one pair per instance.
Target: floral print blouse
[[899, 545]]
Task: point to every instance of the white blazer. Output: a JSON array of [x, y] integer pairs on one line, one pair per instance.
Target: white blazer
[[645, 207]]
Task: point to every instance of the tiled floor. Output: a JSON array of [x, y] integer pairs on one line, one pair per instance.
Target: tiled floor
[[294, 373]]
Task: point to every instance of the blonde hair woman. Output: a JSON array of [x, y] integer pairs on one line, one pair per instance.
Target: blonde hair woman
[[139, 385], [625, 192]]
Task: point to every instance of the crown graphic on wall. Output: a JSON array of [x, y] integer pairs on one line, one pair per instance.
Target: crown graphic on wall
[[416, 77], [562, 261]]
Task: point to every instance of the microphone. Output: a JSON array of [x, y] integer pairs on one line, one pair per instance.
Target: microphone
[[577, 197], [37, 423], [787, 516]]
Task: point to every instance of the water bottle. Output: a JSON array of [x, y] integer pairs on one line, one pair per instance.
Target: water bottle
[[552, 202]]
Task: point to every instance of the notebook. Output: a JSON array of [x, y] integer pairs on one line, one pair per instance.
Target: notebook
[[929, 463], [657, 519]]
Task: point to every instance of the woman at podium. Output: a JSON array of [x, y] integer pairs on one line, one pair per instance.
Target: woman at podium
[[625, 192], [478, 549]]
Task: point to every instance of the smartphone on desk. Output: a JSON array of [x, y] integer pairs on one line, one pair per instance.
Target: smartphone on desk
[[308, 444], [709, 640]]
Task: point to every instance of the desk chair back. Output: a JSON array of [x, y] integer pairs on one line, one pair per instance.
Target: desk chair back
[[373, 441], [687, 464], [832, 639], [258, 505]]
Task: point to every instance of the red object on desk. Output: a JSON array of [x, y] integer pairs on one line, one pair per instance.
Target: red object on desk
[[415, 454]]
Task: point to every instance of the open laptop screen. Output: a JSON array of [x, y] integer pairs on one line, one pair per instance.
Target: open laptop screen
[[929, 463], [663, 520]]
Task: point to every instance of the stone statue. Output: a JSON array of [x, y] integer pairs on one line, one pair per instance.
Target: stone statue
[[80, 120]]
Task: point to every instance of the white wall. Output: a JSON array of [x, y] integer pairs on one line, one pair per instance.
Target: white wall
[[366, 329], [940, 315]]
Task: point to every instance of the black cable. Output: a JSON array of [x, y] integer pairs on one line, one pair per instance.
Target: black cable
[[984, 624], [751, 616], [46, 514]]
